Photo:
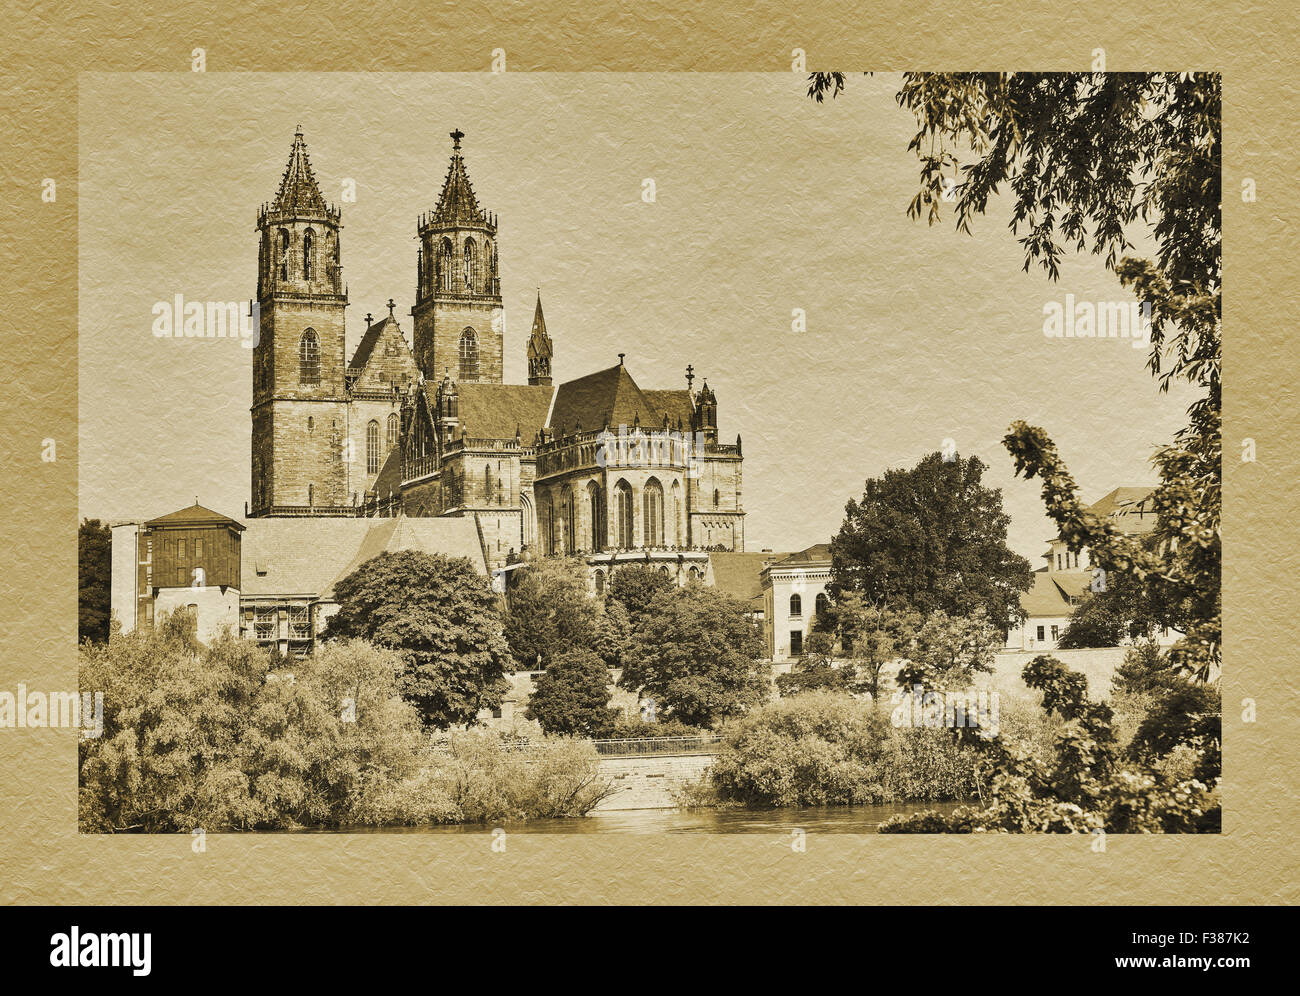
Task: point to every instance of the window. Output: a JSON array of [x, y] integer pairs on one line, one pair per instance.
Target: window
[[716, 496], [372, 447], [652, 506], [309, 359], [444, 265], [198, 549], [570, 522], [1056, 632], [796, 643], [394, 427], [597, 516], [1041, 633], [284, 255], [550, 525], [471, 264], [468, 355], [796, 607], [626, 538], [306, 254], [822, 604], [310, 423]]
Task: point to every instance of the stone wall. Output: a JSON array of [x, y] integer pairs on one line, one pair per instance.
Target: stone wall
[[649, 782]]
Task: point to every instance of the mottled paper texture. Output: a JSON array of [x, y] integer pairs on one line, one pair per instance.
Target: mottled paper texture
[[47, 53]]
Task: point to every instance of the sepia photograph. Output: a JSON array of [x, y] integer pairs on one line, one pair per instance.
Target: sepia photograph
[[655, 453]]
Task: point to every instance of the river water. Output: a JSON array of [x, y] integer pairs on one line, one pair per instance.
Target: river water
[[819, 819]]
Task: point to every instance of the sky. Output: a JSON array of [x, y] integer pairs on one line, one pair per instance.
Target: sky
[[765, 202]]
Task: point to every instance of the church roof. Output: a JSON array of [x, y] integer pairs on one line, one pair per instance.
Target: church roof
[[299, 194], [195, 515], [371, 338], [389, 478], [496, 411], [676, 404], [605, 398], [457, 204]]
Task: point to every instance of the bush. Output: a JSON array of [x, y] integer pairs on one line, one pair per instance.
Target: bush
[[634, 728], [821, 748]]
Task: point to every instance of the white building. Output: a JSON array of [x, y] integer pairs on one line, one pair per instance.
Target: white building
[[794, 591]]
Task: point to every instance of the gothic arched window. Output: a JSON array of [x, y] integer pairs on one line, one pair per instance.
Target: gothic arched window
[[468, 355], [652, 506], [550, 526], [625, 506], [284, 255], [394, 428], [796, 606], [306, 254], [372, 447], [309, 358], [597, 516], [471, 264], [569, 511], [444, 265]]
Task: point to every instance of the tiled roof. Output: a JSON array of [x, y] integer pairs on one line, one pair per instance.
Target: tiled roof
[[1050, 594], [195, 515], [371, 339], [496, 411], [818, 553], [605, 398], [676, 404], [389, 478], [283, 557], [738, 573], [1129, 509], [298, 193]]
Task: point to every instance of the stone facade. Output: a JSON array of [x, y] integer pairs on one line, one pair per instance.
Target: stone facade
[[593, 466]]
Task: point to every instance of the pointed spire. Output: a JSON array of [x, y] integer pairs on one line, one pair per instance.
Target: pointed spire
[[457, 204], [540, 349], [299, 193]]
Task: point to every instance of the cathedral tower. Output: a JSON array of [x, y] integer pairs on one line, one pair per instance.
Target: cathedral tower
[[300, 463], [458, 319]]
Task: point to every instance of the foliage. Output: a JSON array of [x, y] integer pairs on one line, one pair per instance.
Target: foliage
[[696, 652], [551, 612], [1084, 787], [211, 738], [94, 580], [947, 652], [873, 637], [634, 588], [930, 538], [823, 748], [571, 697], [635, 728], [816, 673], [1122, 610], [441, 616], [1145, 669]]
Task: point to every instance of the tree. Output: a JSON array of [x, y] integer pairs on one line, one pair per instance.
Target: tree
[[95, 580], [1084, 787], [551, 612], [816, 670], [441, 616], [697, 653], [635, 588], [930, 538], [873, 637], [948, 652], [1122, 610], [1088, 156], [572, 697]]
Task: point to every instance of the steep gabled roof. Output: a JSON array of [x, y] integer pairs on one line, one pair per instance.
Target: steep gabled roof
[[605, 398], [371, 338], [389, 479], [195, 515], [1046, 597], [299, 194], [497, 411], [676, 404], [739, 574], [457, 204]]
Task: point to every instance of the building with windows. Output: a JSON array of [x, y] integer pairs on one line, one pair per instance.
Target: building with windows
[[270, 579], [595, 466], [794, 592], [1070, 576]]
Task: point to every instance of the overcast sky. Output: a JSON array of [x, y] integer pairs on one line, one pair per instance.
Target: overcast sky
[[765, 202]]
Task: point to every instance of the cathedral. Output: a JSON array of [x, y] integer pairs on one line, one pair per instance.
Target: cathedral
[[596, 466]]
